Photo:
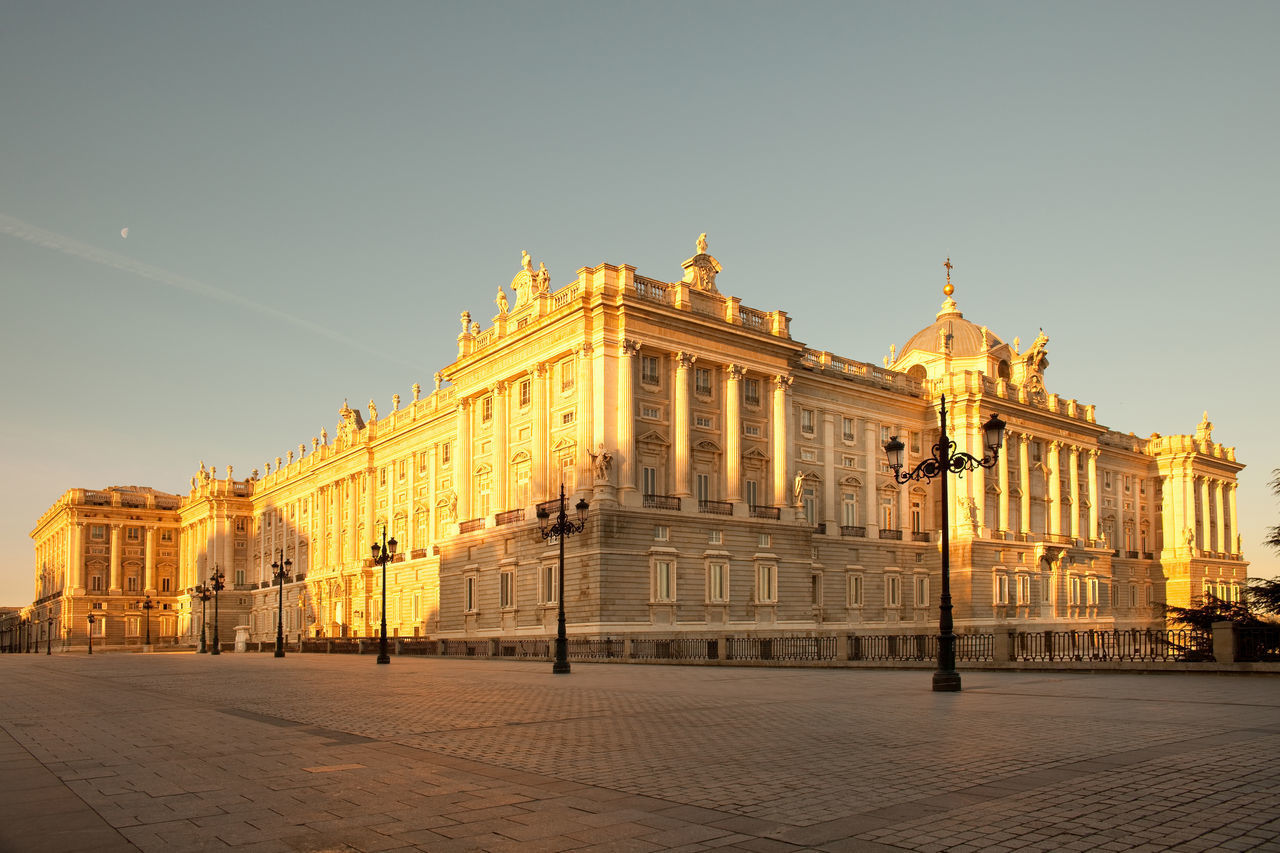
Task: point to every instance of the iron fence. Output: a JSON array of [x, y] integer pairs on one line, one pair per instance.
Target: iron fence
[[1258, 644], [674, 648], [781, 648], [1136, 644]]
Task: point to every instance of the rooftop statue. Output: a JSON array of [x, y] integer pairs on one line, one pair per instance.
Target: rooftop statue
[[701, 270]]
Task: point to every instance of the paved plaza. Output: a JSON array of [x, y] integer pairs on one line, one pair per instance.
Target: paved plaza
[[174, 752]]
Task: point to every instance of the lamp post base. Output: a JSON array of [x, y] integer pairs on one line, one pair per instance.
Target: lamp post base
[[279, 653], [946, 682], [560, 668], [384, 659]]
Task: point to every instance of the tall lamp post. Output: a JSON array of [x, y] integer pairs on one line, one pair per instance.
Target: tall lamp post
[[146, 606], [216, 584], [563, 526], [382, 555], [946, 460], [203, 593], [48, 637], [281, 565], [91, 621]]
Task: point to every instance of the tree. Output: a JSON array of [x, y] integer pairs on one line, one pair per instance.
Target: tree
[[1213, 609], [1264, 593], [1273, 533]]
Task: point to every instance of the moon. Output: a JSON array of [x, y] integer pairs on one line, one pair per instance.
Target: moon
[[124, 232]]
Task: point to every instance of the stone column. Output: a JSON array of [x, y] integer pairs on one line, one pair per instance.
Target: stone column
[[1221, 538], [411, 515], [462, 459], [149, 559], [78, 571], [500, 460], [353, 554], [829, 470], [1053, 512], [1205, 544], [870, 508], [1002, 470], [733, 433], [370, 513], [626, 443], [680, 423], [781, 448], [117, 580], [1234, 544], [539, 451], [1024, 481], [1095, 493], [584, 383], [1073, 459]]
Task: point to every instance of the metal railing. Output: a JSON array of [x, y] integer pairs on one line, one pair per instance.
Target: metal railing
[[772, 512], [781, 648], [921, 536], [674, 648], [511, 516], [1136, 644], [1257, 644], [890, 534], [661, 502], [470, 525], [852, 530], [592, 649], [919, 647], [715, 507]]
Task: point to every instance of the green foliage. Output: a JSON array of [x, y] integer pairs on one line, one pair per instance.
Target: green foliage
[[1264, 594], [1272, 540], [1213, 609]]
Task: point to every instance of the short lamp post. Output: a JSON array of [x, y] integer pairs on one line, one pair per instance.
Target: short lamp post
[[946, 460], [382, 555], [217, 584], [203, 593], [281, 565], [562, 527], [48, 637], [147, 604], [91, 621]]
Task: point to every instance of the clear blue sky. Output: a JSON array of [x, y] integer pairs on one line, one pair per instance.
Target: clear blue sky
[[1106, 171]]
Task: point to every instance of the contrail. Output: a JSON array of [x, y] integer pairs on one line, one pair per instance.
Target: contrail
[[45, 239]]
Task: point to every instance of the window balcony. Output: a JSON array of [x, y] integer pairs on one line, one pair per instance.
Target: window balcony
[[772, 512], [921, 536], [511, 516], [853, 530], [661, 502], [715, 507], [471, 525], [890, 534]]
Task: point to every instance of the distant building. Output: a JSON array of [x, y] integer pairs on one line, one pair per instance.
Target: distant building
[[737, 484]]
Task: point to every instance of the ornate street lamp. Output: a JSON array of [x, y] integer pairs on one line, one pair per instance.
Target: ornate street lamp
[[281, 565], [91, 621], [382, 555], [147, 605], [563, 526], [48, 636], [203, 593], [216, 583], [946, 460]]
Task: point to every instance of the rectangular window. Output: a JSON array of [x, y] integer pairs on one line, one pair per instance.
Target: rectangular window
[[1024, 589], [649, 369], [166, 535], [132, 626], [164, 584], [922, 591], [766, 583], [806, 421], [915, 442], [651, 412], [402, 473], [1073, 591], [422, 461], [507, 590], [1133, 595], [132, 583], [382, 476], [892, 593], [98, 531], [752, 489], [469, 594], [815, 589], [650, 478], [240, 525], [446, 452], [853, 584], [703, 483], [1151, 595], [884, 434], [809, 499], [1001, 591], [239, 576], [717, 582], [849, 511], [486, 408], [550, 586], [763, 540], [664, 582], [715, 537], [661, 533], [750, 429], [566, 374], [702, 381], [850, 430], [566, 418], [525, 387], [704, 421], [1093, 587], [95, 582], [751, 391], [133, 534]]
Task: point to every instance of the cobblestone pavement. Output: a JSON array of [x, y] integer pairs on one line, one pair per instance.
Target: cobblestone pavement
[[173, 752]]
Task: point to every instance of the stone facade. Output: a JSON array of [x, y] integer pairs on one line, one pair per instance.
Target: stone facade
[[736, 480]]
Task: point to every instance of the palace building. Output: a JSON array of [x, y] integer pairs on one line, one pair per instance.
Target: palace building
[[736, 481]]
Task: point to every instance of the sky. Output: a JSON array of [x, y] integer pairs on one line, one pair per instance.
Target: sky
[[315, 191]]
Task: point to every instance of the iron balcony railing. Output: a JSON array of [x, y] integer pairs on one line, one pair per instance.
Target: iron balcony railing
[[890, 534], [852, 530], [758, 511], [715, 507], [661, 502]]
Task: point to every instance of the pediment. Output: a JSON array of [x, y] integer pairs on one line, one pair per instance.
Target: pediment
[[652, 437]]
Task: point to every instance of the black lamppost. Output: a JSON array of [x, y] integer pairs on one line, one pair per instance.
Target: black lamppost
[[202, 592], [561, 528], [216, 584], [146, 606], [946, 460], [91, 621], [281, 565], [48, 637], [382, 554]]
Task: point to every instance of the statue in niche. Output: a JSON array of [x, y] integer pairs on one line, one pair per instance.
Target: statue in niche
[[968, 510], [602, 461], [501, 301]]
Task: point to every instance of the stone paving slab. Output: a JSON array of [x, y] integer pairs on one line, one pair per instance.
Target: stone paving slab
[[333, 753]]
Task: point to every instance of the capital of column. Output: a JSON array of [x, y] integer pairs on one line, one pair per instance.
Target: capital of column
[[1055, 446], [539, 370], [1023, 439], [628, 348], [735, 372], [783, 382], [685, 360], [500, 387]]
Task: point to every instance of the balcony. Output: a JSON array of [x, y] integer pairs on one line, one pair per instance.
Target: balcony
[[820, 528], [890, 534], [715, 507], [511, 516], [772, 512], [417, 553], [853, 530], [471, 525], [1132, 555], [661, 502], [921, 536]]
